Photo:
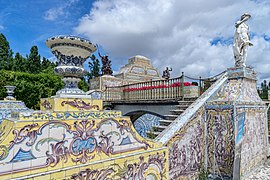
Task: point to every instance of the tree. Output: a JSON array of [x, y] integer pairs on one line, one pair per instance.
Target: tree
[[47, 66], [264, 90], [5, 53], [94, 67], [30, 87], [19, 63], [83, 85], [34, 62]]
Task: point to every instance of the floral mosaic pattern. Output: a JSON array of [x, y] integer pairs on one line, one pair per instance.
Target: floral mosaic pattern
[[186, 149], [6, 107], [145, 123], [78, 143], [153, 168], [80, 104], [220, 138], [254, 143], [72, 115]]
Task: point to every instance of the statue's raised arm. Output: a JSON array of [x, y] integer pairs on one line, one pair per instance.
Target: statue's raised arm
[[241, 41]]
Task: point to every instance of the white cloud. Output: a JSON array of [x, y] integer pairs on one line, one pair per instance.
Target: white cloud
[[177, 33], [56, 12]]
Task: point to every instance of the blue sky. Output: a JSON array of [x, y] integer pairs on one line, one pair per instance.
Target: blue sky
[[192, 36], [31, 22]]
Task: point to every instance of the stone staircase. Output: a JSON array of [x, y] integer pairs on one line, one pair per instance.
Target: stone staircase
[[174, 113]]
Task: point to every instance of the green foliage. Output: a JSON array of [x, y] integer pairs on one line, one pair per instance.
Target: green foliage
[[151, 134], [94, 67], [34, 62], [203, 174], [263, 92], [83, 85], [19, 63], [30, 87], [6, 53]]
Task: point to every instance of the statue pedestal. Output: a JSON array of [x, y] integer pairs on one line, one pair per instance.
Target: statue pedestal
[[241, 72], [248, 122]]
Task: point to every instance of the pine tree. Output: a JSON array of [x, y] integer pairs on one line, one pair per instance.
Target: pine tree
[[47, 66], [264, 88], [94, 67], [34, 63], [6, 53], [19, 63]]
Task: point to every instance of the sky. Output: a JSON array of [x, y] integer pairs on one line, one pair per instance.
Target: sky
[[194, 36]]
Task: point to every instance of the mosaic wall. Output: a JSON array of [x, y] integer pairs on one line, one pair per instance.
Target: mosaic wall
[[186, 149], [243, 90], [145, 124], [70, 104], [78, 148], [205, 136], [220, 140], [254, 142], [7, 107]]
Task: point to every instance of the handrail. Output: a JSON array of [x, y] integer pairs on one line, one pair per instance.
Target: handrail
[[149, 90], [154, 90]]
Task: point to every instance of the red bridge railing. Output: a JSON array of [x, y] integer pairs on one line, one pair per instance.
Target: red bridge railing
[[150, 90], [174, 88]]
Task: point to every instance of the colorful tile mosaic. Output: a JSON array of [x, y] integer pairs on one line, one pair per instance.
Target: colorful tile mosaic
[[54, 144], [145, 124]]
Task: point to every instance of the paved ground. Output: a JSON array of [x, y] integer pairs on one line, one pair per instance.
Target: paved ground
[[261, 173]]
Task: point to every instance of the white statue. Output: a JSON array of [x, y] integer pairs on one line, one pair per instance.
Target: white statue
[[241, 41]]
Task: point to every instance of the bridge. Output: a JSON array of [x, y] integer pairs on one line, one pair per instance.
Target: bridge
[[164, 99]]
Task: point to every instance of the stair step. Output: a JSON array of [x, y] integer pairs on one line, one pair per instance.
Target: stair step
[[182, 106], [171, 117], [185, 102], [165, 122], [177, 111], [160, 128]]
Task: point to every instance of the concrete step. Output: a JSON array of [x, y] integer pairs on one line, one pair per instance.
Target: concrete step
[[165, 122], [185, 102], [160, 128], [182, 106], [171, 117], [177, 111]]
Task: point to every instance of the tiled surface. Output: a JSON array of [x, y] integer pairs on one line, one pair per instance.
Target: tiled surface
[[260, 173], [59, 145]]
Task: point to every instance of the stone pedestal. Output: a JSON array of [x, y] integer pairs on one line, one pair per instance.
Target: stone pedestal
[[247, 118]]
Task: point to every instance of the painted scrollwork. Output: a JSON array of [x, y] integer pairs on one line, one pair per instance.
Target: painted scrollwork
[[83, 143], [3, 152], [89, 174], [80, 104], [220, 140], [25, 132], [59, 152], [139, 170], [46, 104], [78, 144]]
